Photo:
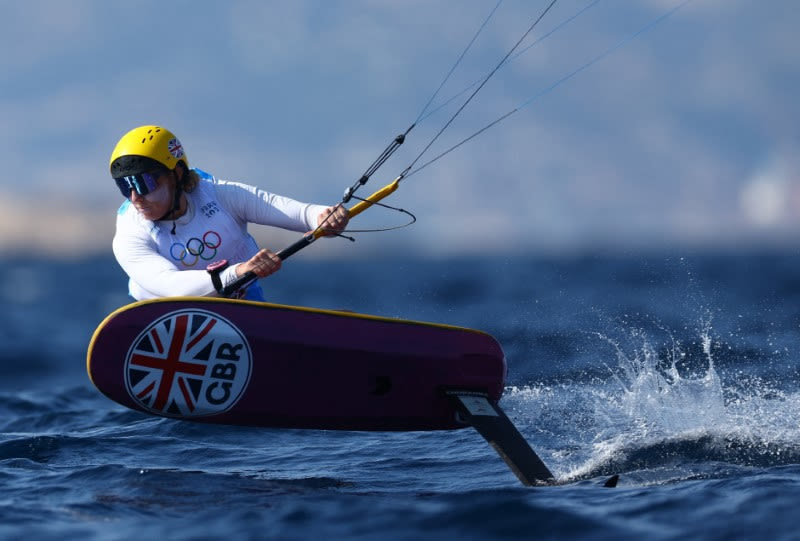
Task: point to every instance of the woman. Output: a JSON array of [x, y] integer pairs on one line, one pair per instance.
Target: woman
[[183, 232]]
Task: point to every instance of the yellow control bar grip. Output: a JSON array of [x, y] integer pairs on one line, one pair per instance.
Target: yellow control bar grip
[[366, 203], [377, 196]]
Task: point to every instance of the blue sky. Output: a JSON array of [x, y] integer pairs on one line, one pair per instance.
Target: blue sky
[[687, 136]]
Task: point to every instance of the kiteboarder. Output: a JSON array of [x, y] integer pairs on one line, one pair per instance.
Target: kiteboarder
[[183, 232]]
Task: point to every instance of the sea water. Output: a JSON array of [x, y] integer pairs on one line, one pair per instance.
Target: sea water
[[679, 373]]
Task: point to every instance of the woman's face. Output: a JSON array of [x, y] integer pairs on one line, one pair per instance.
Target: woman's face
[[158, 202]]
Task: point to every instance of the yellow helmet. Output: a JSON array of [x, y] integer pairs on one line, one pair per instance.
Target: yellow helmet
[[145, 148]]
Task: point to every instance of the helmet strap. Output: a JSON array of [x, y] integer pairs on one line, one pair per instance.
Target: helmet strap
[[176, 204]]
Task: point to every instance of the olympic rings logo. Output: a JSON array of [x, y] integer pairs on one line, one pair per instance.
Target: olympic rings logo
[[196, 249]]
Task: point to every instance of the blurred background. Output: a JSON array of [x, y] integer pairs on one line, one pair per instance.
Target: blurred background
[[686, 136]]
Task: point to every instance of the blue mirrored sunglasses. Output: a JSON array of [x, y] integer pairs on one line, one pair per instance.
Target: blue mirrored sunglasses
[[143, 183]]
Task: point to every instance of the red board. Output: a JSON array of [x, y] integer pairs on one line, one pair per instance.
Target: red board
[[259, 364]]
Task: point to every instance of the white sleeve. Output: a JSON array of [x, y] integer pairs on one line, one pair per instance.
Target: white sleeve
[[253, 205], [139, 258]]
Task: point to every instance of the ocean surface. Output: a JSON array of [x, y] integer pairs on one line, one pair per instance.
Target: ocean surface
[[680, 373]]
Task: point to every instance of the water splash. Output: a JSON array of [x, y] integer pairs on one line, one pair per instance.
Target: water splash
[[665, 408], [657, 400]]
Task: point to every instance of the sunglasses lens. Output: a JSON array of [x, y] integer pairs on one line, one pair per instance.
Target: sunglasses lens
[[143, 183], [125, 186]]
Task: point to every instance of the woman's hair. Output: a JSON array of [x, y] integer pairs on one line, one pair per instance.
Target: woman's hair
[[190, 179]]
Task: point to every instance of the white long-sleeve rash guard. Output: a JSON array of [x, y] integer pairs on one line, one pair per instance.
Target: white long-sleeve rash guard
[[165, 264]]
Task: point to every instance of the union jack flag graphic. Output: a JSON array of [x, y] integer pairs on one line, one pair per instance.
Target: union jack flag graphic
[[188, 363], [175, 148]]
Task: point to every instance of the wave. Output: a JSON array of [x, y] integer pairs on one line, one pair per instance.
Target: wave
[[699, 455]]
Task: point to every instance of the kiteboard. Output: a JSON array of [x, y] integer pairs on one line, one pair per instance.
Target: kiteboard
[[237, 362], [259, 364]]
